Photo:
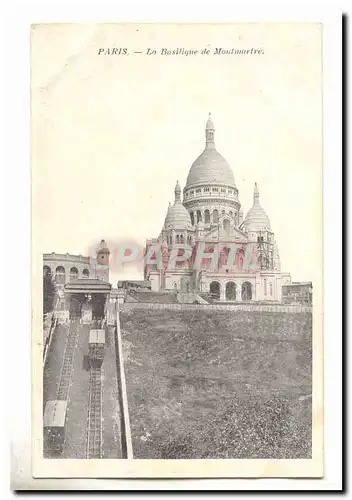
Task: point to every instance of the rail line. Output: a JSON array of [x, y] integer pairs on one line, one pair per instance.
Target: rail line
[[67, 363], [94, 426]]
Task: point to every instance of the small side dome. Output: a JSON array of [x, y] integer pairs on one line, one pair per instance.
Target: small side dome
[[177, 216], [256, 218]]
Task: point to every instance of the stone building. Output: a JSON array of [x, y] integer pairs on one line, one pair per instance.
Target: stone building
[[82, 283], [67, 267], [209, 219], [300, 292]]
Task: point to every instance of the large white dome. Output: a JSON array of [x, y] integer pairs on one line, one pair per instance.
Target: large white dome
[[210, 167]]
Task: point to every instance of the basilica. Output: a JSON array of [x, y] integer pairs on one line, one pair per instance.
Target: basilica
[[209, 219]]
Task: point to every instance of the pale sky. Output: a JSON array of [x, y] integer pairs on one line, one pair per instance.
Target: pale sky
[[111, 135]]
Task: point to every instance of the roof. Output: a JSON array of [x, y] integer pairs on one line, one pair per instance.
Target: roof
[[256, 218], [178, 217], [299, 283], [210, 168], [55, 413], [86, 285], [97, 337], [103, 247], [143, 283], [65, 257]]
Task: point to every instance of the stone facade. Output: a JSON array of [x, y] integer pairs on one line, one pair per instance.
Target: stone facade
[[209, 219], [67, 267]]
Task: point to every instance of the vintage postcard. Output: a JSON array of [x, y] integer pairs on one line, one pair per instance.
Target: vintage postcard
[[177, 250]]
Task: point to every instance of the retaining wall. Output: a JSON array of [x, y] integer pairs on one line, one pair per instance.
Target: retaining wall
[[128, 306]]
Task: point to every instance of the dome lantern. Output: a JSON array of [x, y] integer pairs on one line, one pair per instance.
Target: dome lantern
[[209, 133], [256, 194], [177, 192]]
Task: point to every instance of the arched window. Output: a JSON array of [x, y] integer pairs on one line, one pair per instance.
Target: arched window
[[60, 275], [215, 290], [246, 291], [192, 218], [85, 273], [239, 258], [223, 259], [73, 273], [271, 289], [231, 291], [177, 239], [46, 271], [215, 216], [206, 216], [199, 215], [226, 225], [181, 239]]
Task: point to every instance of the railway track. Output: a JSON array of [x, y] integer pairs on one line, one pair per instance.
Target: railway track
[[67, 363], [94, 427]]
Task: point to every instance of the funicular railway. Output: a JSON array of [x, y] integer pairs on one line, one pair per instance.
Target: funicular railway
[[94, 427], [80, 295], [66, 369]]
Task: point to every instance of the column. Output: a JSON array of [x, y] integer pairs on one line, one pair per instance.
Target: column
[[238, 292], [222, 292]]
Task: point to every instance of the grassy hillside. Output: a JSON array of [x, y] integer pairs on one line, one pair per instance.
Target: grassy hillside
[[218, 384]]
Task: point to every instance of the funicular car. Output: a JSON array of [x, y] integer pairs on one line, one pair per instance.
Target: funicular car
[[54, 425], [96, 347]]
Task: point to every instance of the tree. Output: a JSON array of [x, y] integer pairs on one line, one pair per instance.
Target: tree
[[49, 291]]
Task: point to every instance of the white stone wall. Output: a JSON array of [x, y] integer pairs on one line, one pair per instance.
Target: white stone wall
[[53, 261], [265, 287], [227, 208], [171, 280], [154, 279]]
